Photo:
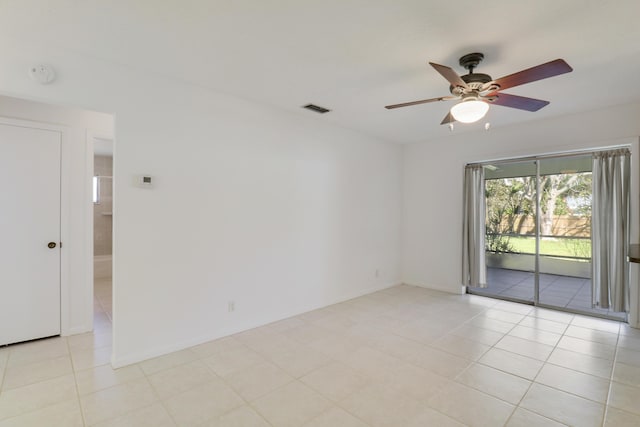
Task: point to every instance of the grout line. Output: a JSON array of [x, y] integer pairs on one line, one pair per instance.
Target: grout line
[[533, 381], [610, 379], [384, 310], [75, 382], [4, 371], [227, 384], [2, 420], [613, 366]]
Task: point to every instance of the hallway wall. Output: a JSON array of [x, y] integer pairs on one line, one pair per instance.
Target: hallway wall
[[277, 212]]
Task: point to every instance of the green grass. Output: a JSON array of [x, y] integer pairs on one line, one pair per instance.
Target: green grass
[[551, 246]]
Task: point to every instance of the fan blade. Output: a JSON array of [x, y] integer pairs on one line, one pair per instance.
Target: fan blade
[[423, 101], [447, 119], [448, 73], [519, 102], [539, 72]]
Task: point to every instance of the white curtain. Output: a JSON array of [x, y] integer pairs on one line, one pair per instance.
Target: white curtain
[[474, 271], [610, 229]]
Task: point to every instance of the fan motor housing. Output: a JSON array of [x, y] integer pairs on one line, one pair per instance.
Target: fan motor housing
[[476, 78], [475, 81]]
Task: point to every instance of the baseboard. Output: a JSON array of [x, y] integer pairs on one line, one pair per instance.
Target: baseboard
[[77, 330], [436, 288], [119, 362], [356, 294]]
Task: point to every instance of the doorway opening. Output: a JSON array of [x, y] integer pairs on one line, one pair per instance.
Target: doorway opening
[[67, 161], [102, 196], [538, 239]]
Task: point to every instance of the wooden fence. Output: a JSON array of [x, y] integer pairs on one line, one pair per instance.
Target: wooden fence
[[564, 225]]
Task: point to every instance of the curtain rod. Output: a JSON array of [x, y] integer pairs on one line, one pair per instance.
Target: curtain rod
[[548, 156]]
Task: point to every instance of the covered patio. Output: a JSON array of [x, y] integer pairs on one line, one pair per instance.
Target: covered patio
[[565, 292]]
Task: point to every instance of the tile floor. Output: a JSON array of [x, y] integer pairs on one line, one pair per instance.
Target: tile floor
[[404, 356], [573, 293]]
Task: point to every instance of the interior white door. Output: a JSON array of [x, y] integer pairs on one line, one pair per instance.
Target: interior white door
[[29, 224]]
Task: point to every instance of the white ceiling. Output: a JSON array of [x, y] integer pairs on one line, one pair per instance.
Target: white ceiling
[[355, 56]]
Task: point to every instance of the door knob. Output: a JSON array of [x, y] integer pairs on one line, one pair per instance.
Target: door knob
[[51, 245]]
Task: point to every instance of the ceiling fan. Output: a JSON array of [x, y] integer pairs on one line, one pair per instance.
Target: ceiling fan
[[477, 91]]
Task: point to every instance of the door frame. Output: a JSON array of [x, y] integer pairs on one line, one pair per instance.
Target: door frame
[[76, 231], [65, 293], [91, 136], [633, 143]]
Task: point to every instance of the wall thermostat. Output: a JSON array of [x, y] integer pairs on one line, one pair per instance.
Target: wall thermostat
[[145, 181]]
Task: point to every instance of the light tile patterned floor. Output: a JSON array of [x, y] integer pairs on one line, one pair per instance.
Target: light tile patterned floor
[[404, 356], [573, 293]]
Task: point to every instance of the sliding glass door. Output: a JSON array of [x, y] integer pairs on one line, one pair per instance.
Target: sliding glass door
[[538, 233], [510, 238], [565, 233]]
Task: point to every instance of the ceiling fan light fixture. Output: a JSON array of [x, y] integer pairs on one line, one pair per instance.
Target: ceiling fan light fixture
[[469, 110]]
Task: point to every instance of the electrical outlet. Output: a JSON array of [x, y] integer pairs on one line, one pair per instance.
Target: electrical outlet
[[232, 306]]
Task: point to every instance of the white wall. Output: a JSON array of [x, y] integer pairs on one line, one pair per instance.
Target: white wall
[[279, 212], [276, 212], [76, 272], [433, 175]]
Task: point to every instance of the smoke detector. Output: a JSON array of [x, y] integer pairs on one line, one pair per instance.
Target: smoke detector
[[42, 73]]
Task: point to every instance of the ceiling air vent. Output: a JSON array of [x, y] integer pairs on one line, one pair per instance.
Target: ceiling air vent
[[316, 108]]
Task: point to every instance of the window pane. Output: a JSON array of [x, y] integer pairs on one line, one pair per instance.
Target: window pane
[[96, 190]]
